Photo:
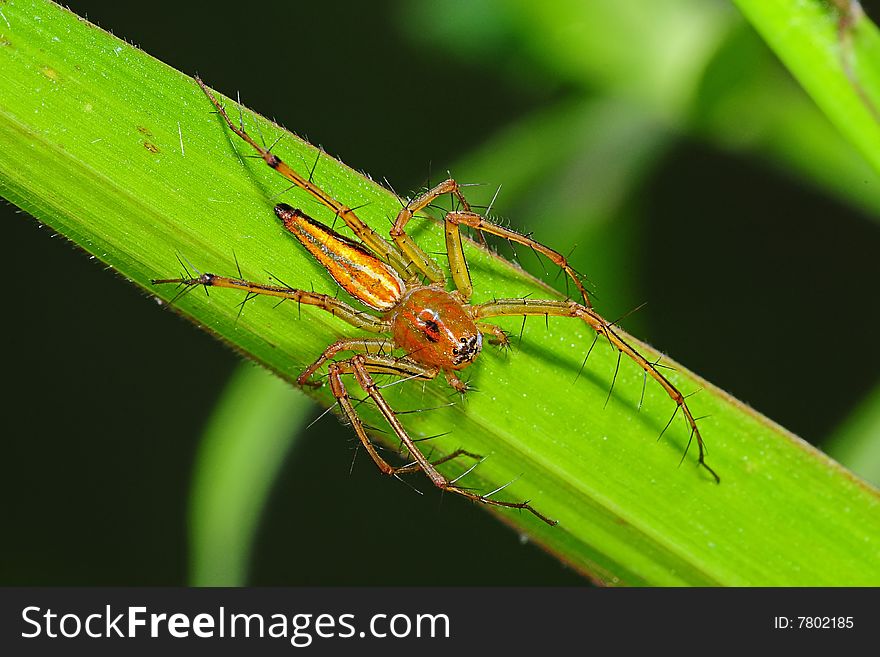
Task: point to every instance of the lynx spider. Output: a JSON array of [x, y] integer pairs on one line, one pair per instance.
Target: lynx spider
[[439, 331]]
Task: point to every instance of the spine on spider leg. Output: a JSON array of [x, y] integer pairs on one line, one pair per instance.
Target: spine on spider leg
[[406, 244], [325, 302], [525, 307], [601, 326], [370, 237], [477, 222]]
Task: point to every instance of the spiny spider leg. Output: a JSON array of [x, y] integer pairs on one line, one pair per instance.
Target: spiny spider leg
[[516, 307], [406, 469], [496, 334], [457, 263], [367, 235], [357, 365], [455, 255], [374, 346], [381, 365], [406, 244], [356, 318]]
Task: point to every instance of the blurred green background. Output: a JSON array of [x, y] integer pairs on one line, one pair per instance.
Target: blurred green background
[[636, 131]]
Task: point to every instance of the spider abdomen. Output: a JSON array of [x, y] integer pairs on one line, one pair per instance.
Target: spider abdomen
[[436, 329], [354, 268]]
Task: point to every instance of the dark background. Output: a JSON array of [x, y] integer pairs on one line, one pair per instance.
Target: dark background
[[90, 497]]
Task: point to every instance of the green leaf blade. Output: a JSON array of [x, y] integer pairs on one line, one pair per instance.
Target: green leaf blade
[[783, 514], [246, 440], [838, 66]]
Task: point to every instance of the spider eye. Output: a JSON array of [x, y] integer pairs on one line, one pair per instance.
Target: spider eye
[[454, 350]]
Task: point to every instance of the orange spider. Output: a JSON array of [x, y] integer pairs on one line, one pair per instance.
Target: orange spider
[[439, 331]]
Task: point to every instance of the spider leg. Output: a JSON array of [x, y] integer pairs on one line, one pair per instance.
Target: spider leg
[[456, 383], [344, 401], [483, 499], [364, 233], [371, 346], [449, 457], [506, 307], [385, 365], [359, 366], [406, 244], [325, 302], [495, 333], [457, 262]]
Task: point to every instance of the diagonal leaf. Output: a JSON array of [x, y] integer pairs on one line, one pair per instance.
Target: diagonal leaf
[[122, 155], [738, 97], [834, 52], [857, 441], [252, 428]]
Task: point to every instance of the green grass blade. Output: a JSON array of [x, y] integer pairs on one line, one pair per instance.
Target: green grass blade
[[856, 443], [834, 52], [121, 154], [250, 432], [737, 95], [579, 167]]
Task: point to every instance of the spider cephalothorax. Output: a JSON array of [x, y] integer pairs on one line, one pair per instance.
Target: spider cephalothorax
[[435, 328], [437, 331]]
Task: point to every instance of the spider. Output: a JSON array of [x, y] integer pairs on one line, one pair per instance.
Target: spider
[[439, 331]]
